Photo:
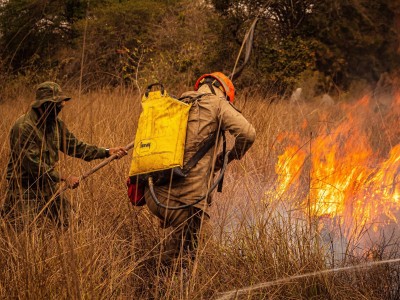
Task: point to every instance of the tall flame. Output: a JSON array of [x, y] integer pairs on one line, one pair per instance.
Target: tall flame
[[347, 175]]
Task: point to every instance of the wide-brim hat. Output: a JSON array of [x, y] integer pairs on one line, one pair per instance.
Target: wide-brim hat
[[49, 92]]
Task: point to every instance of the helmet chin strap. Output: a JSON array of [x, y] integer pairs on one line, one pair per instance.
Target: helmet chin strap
[[211, 83], [211, 86]]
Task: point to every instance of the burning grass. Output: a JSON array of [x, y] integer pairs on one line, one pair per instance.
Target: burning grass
[[318, 190]]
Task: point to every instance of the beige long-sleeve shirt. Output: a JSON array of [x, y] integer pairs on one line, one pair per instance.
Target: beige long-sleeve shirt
[[207, 115]]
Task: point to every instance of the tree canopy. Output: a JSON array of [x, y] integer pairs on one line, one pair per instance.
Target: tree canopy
[[342, 40], [124, 41]]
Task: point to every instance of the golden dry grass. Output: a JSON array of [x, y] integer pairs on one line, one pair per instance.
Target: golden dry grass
[[111, 249]]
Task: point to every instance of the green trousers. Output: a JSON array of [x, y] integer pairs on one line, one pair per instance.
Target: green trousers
[[22, 206]]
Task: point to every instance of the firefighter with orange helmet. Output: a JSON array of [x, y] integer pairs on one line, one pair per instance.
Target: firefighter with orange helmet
[[211, 112]]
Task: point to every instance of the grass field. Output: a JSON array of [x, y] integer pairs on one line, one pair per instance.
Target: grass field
[[276, 217]]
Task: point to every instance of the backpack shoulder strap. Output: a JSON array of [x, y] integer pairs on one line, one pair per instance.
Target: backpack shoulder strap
[[205, 145], [191, 99], [221, 182]]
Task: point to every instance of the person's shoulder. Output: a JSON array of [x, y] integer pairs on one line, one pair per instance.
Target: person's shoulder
[[234, 107], [23, 126], [189, 94], [23, 121], [198, 98], [194, 95], [225, 104]]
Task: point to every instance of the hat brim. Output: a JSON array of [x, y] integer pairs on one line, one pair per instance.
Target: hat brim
[[64, 98], [38, 103]]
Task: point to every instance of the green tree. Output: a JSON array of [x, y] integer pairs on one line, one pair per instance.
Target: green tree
[[105, 37], [114, 41], [357, 38], [32, 31], [279, 55], [344, 40]]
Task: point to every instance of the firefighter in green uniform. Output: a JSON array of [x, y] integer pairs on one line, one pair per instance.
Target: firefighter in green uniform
[[35, 141], [214, 111]]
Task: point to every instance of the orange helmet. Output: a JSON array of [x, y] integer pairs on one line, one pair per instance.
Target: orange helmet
[[221, 81]]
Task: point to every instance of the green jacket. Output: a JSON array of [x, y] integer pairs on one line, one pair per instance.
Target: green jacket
[[35, 152]]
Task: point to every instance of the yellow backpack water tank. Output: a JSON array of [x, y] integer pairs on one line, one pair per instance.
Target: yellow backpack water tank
[[161, 133]]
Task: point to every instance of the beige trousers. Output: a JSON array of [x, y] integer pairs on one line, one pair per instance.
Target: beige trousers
[[187, 225]]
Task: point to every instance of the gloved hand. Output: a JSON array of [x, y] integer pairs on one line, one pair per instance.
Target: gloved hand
[[71, 181], [119, 151], [219, 162]]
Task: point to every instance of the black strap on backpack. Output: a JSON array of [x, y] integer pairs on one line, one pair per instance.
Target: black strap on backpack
[[163, 177], [190, 99], [221, 182], [204, 147], [213, 186]]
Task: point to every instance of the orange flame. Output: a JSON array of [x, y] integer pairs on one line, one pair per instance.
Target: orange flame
[[347, 175]]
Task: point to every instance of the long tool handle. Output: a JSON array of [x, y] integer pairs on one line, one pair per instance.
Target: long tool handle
[[248, 43], [104, 163], [84, 176]]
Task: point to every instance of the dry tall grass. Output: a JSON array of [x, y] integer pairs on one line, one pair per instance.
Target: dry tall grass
[[111, 249]]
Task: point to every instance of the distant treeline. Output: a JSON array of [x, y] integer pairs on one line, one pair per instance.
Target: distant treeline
[[98, 43]]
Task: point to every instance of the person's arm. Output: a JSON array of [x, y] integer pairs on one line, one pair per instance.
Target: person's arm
[[76, 148], [237, 125], [70, 145]]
